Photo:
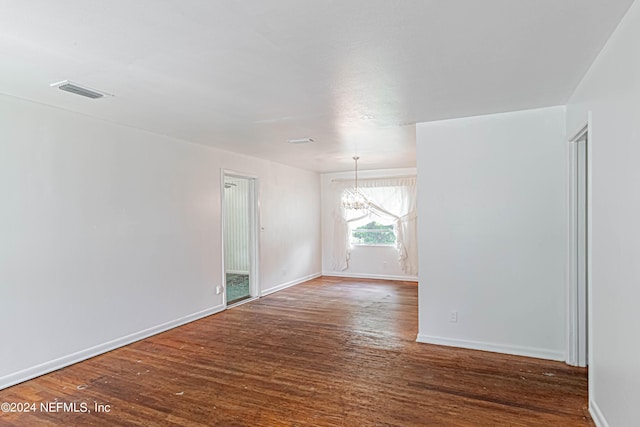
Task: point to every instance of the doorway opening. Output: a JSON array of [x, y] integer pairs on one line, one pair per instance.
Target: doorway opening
[[579, 249], [239, 238]]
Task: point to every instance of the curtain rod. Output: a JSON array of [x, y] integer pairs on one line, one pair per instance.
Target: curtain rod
[[371, 179]]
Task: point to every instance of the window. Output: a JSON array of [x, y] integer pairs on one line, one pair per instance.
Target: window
[[373, 233], [389, 220]]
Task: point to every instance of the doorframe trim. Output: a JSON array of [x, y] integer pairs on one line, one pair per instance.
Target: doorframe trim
[[254, 233], [573, 354]]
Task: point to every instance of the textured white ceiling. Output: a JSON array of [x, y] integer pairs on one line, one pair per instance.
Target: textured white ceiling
[[246, 76]]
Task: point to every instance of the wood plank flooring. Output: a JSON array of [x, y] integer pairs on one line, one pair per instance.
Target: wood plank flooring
[[329, 352]]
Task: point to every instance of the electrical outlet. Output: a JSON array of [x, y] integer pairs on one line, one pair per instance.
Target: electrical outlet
[[453, 317], [218, 290]]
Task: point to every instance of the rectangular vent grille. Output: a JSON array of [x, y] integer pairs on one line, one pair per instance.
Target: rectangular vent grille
[[301, 141], [70, 87]]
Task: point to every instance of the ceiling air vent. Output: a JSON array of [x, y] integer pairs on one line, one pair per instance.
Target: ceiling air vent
[[69, 86], [300, 141]]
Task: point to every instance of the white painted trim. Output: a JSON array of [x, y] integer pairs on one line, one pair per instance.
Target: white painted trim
[[597, 415], [370, 276], [53, 365], [254, 236], [579, 134], [571, 291], [590, 382], [254, 231], [223, 214], [573, 354], [238, 174], [291, 283], [79, 356], [539, 353], [244, 301]]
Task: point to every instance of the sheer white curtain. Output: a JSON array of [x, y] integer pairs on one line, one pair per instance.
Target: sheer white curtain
[[392, 199]]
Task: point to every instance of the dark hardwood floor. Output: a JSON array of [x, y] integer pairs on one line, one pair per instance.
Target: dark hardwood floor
[[329, 352]]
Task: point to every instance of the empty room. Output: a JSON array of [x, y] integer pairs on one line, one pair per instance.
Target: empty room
[[319, 212]]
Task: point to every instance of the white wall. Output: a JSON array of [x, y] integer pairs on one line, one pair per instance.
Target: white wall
[[365, 261], [611, 92], [110, 234], [290, 241], [492, 232]]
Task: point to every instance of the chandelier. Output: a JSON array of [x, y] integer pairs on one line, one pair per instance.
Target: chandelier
[[353, 199]]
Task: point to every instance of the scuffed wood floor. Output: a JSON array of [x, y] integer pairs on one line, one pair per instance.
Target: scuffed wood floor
[[329, 352]]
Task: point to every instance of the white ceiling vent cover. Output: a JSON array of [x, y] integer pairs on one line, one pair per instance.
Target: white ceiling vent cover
[[300, 141], [69, 86]]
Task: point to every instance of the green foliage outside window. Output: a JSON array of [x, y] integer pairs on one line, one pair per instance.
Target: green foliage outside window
[[374, 234]]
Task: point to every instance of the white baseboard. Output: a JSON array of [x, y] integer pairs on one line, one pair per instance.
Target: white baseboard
[[277, 288], [538, 353], [61, 362], [54, 365], [597, 415], [370, 276]]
